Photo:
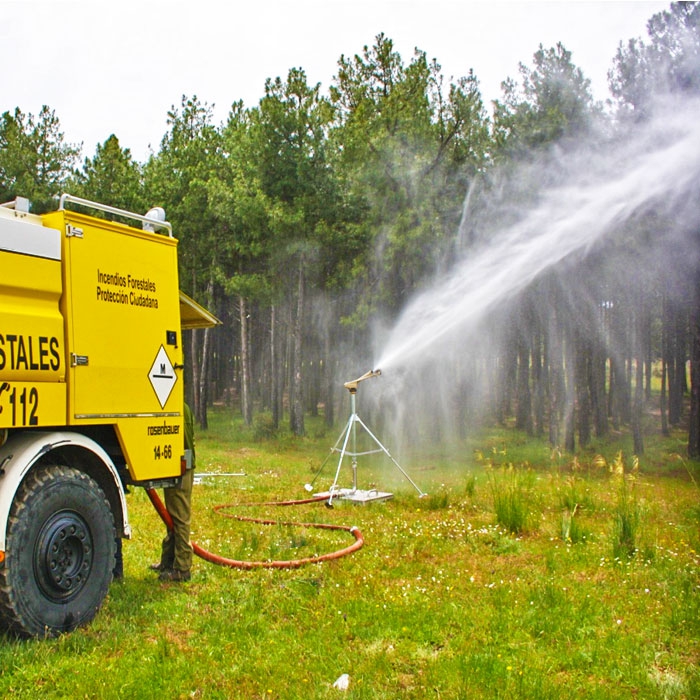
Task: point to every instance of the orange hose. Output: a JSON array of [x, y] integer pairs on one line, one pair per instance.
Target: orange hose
[[285, 564]]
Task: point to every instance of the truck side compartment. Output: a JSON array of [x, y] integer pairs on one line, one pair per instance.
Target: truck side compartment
[[91, 400]]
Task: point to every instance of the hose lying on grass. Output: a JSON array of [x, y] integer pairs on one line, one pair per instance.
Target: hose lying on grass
[[284, 564]]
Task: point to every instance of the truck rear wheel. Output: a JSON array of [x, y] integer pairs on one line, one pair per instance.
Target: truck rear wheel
[[60, 553]]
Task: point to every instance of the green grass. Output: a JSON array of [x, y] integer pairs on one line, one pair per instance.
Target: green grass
[[443, 601]]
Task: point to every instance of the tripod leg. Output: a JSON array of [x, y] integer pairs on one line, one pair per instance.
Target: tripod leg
[[348, 430], [386, 452], [309, 486]]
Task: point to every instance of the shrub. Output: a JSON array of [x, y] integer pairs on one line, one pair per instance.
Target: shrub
[[511, 499], [628, 512], [470, 486], [263, 427]]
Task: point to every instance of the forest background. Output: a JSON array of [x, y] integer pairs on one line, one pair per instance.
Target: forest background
[[306, 224]]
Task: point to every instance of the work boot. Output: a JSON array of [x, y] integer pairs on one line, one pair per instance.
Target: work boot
[[175, 575], [158, 566]]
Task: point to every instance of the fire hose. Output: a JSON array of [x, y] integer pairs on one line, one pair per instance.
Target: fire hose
[[279, 564]]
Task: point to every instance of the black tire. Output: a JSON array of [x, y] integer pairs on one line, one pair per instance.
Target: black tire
[[60, 553]]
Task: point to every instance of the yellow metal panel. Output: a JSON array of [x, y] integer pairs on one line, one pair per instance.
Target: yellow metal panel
[[154, 446], [32, 404], [32, 347], [31, 326]]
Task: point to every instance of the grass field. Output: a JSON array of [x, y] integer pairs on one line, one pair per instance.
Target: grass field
[[523, 574]]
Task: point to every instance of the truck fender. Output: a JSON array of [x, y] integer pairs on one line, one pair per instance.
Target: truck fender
[[19, 454]]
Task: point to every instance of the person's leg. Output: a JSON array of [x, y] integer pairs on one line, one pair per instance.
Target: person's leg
[[178, 502], [167, 553]]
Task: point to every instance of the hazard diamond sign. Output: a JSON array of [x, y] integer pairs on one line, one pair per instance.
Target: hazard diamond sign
[[162, 376]]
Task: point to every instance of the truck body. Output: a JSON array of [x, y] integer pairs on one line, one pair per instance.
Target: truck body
[[91, 399]]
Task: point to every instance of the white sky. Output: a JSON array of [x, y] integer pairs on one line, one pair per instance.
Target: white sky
[[107, 67]]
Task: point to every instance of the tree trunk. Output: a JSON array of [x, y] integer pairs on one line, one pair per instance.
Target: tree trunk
[[638, 401], [203, 381], [662, 401], [192, 389], [275, 393], [637, 439], [663, 406], [539, 377], [570, 410], [523, 418], [313, 385], [509, 373], [694, 425], [628, 373], [582, 379], [556, 379], [648, 353], [296, 403], [676, 367], [246, 400], [328, 372], [598, 394]]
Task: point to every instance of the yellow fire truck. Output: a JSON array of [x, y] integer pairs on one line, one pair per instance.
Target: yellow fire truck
[[91, 398]]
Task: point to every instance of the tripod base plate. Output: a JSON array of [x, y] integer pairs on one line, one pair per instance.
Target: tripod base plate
[[356, 495]]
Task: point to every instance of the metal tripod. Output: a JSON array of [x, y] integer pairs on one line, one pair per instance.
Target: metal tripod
[[349, 435]]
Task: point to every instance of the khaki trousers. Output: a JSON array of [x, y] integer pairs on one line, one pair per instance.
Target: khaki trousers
[[176, 550]]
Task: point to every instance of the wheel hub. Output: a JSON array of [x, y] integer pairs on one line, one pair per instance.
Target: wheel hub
[[63, 556]]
